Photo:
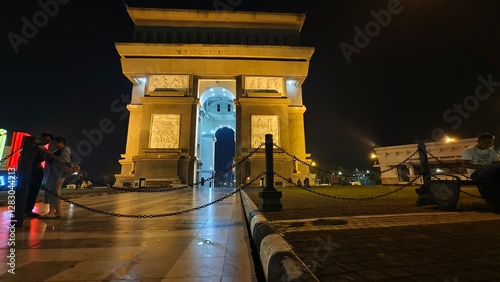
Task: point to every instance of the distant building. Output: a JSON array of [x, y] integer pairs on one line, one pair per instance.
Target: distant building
[[444, 157]]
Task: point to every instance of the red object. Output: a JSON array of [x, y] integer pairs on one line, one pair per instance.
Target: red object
[[46, 146], [15, 145]]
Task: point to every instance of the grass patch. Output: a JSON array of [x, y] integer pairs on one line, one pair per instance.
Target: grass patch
[[396, 192]]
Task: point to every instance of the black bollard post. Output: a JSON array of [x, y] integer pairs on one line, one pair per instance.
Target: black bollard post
[[424, 192], [270, 198], [23, 180]]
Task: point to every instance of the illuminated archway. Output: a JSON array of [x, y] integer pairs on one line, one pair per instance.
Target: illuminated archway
[[216, 111]]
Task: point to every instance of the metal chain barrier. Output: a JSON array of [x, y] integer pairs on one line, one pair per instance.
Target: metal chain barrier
[[455, 171], [155, 215], [10, 155], [350, 198], [447, 166], [167, 189], [330, 172], [469, 194]]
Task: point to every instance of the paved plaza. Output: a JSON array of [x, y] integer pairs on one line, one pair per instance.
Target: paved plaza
[[385, 239], [388, 239], [209, 244]]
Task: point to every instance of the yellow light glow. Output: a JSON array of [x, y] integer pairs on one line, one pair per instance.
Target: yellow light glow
[[448, 139], [373, 156]]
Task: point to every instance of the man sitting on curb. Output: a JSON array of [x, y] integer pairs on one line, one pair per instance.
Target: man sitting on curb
[[481, 160], [482, 164]]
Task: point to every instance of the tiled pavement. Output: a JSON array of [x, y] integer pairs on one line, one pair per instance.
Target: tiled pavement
[[380, 240], [210, 244], [389, 240]]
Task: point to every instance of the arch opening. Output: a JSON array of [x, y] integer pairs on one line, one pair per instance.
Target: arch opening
[[216, 126]]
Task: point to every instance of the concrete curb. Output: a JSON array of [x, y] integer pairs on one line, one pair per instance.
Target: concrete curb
[[279, 261]]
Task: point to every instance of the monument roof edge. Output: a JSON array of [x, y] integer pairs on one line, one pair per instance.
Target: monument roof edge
[[170, 16]]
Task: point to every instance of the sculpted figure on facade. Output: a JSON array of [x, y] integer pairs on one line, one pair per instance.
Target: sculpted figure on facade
[[165, 131], [168, 82], [264, 83], [262, 125]]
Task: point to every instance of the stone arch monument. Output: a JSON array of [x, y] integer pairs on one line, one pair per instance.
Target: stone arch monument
[[196, 71]]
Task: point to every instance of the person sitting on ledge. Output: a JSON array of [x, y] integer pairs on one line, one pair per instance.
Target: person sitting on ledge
[[482, 161]]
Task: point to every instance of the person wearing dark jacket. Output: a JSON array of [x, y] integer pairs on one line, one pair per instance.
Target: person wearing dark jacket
[[37, 174]]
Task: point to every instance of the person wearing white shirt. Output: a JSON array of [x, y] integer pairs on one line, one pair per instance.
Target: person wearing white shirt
[[482, 163], [480, 159]]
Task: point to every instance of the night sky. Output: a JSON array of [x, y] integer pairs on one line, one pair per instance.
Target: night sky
[[432, 65]]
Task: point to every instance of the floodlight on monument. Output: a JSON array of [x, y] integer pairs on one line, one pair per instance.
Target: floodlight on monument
[[140, 80], [373, 156], [292, 82]]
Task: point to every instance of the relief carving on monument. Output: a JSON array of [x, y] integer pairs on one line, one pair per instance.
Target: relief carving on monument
[[168, 83], [264, 85], [165, 129], [262, 125]]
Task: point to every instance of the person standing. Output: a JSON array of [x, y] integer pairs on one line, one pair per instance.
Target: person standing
[[58, 171], [306, 183], [37, 174]]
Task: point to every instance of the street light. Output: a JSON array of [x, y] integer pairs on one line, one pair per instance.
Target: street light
[[449, 139], [374, 158]]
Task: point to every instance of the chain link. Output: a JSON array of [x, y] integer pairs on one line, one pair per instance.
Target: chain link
[[331, 172], [161, 190], [469, 194], [455, 171], [447, 166], [154, 215], [378, 173], [167, 189], [10, 155], [349, 198]]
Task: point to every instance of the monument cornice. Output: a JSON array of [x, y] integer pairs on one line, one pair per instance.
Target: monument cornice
[[203, 67], [134, 107], [297, 109], [144, 50], [166, 100], [215, 18], [263, 101]]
